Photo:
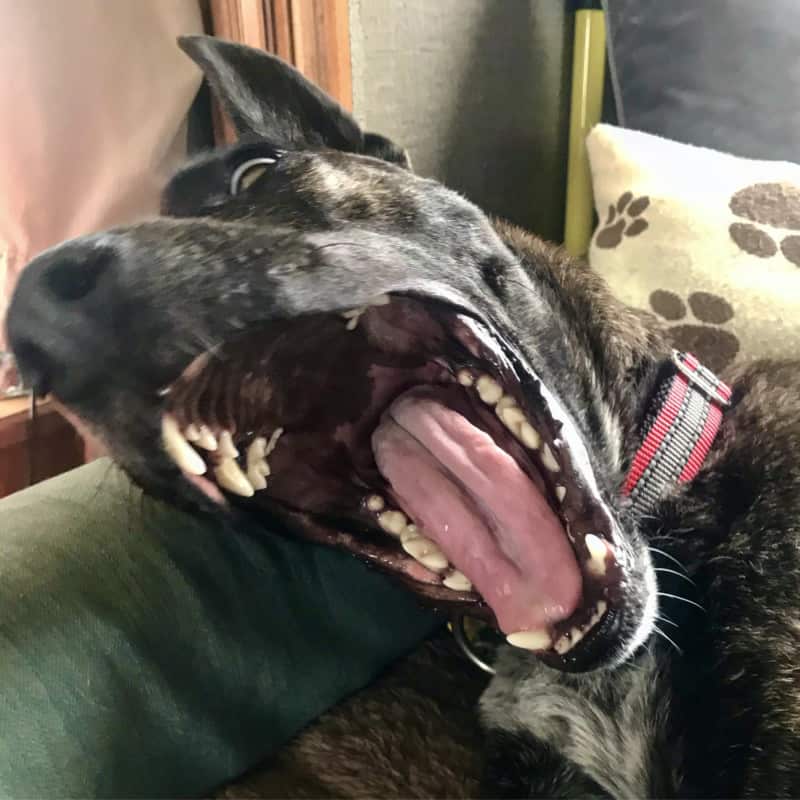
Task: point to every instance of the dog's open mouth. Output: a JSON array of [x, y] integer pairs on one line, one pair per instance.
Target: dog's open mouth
[[412, 435]]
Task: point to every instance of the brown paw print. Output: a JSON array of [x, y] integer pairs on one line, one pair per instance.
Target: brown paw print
[[624, 219], [714, 346], [775, 204]]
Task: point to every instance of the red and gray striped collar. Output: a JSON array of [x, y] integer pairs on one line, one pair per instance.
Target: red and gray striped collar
[[678, 432]]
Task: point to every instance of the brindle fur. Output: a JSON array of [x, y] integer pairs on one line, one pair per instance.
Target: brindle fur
[[722, 718]]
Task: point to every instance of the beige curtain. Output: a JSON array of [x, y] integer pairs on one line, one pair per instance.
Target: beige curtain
[[93, 98]]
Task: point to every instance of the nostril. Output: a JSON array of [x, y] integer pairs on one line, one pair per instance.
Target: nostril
[[35, 367], [74, 277]]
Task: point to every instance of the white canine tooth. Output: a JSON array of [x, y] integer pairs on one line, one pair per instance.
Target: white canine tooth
[[230, 476], [530, 436], [257, 466], [206, 439], [375, 502], [393, 522], [530, 640], [597, 554], [489, 390], [549, 460], [178, 449], [192, 433], [561, 493], [226, 448], [257, 480], [273, 441], [457, 581], [464, 377], [380, 300]]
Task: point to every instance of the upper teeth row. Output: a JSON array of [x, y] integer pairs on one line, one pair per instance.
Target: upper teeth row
[[419, 547], [511, 415], [542, 640], [227, 471]]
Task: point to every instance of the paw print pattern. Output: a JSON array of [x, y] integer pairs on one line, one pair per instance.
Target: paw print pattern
[[774, 204], [712, 344], [624, 219]]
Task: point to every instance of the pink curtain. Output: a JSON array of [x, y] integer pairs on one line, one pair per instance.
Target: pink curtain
[[93, 97]]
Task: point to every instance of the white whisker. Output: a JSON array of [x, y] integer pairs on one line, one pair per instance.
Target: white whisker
[[664, 635], [675, 572], [682, 599], [667, 555], [667, 620]]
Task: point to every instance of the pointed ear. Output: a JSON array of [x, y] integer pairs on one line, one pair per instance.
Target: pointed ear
[[266, 97]]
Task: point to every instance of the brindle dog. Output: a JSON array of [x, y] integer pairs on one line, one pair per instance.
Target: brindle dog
[[315, 335]]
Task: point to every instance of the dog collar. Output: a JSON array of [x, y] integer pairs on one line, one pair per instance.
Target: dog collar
[[679, 430]]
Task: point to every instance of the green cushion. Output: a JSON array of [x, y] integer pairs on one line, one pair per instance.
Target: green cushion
[[146, 653]]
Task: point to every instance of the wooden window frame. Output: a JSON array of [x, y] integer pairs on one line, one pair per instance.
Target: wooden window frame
[[312, 35]]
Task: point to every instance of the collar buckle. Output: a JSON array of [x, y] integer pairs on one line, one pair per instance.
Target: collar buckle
[[702, 379]]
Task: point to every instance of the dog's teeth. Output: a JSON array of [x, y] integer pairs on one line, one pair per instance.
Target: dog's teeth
[[257, 466], [426, 552], [561, 493], [457, 581], [273, 441], [512, 417], [436, 562], [192, 433], [597, 554], [227, 449], [569, 640], [506, 401], [411, 532], [206, 439], [230, 476], [530, 436], [353, 316], [179, 450], [530, 640], [375, 502], [380, 300], [599, 610], [465, 377], [393, 522], [549, 460], [489, 390]]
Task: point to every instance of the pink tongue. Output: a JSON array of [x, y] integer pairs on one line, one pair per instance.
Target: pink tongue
[[474, 501]]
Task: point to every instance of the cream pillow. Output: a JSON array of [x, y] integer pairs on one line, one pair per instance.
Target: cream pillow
[[707, 241]]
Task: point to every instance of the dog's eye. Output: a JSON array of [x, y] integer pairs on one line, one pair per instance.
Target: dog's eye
[[248, 172]]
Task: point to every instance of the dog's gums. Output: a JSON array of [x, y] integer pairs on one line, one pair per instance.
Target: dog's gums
[[413, 436]]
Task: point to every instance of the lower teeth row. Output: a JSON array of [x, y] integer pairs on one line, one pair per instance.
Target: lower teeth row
[[541, 640], [419, 547]]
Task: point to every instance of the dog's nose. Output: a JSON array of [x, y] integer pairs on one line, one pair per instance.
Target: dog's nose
[[55, 318]]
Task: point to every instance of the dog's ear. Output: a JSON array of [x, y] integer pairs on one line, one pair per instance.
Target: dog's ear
[[267, 97]]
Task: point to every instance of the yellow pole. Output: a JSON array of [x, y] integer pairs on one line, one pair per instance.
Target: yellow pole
[[586, 105]]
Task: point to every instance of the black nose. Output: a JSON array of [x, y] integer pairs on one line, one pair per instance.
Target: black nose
[[59, 316]]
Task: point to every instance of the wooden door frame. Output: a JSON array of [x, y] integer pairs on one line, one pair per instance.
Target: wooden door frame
[[313, 35]]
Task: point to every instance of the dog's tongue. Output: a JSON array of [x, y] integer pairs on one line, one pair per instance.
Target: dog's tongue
[[476, 503]]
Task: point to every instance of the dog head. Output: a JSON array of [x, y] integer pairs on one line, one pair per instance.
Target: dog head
[[312, 334]]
